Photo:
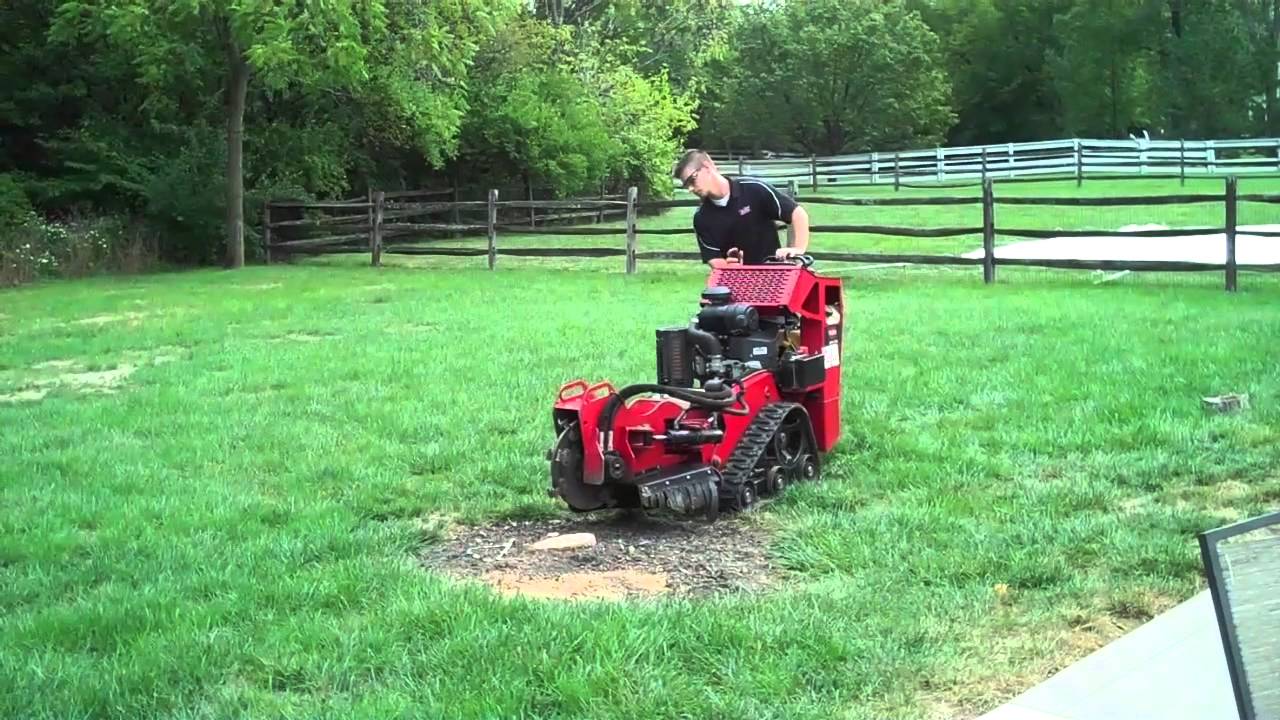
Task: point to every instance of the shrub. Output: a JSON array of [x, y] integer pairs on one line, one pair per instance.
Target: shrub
[[33, 248], [15, 206]]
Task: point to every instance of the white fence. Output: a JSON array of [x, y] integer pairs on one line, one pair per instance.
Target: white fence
[[1074, 158]]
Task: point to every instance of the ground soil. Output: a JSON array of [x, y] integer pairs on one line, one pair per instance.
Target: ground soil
[[634, 555]]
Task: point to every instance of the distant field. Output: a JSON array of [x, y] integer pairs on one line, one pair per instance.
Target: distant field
[[218, 488]]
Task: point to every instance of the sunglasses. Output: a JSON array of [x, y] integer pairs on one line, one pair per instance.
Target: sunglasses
[[693, 177]]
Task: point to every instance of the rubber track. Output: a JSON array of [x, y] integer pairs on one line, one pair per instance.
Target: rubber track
[[742, 463]]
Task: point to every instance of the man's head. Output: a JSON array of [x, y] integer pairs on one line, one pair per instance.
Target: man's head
[[697, 173]]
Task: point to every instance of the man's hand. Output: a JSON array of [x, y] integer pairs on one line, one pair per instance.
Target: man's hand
[[734, 257], [788, 252]]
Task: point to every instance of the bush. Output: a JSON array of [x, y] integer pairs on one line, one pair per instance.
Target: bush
[[33, 248], [15, 206], [186, 200]]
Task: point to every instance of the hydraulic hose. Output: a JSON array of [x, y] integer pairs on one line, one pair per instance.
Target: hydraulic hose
[[722, 399]]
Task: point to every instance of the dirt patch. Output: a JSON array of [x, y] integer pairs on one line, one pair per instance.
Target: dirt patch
[[261, 286], [1225, 501], [98, 320], [103, 382], [159, 355], [302, 337], [44, 377], [412, 327], [28, 395], [634, 555], [55, 365]]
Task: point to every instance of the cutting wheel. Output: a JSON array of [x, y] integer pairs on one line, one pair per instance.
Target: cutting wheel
[[566, 473]]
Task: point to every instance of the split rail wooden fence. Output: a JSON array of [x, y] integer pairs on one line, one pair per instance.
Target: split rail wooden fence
[[400, 223]]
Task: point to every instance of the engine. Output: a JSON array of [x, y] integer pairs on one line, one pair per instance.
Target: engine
[[729, 340]]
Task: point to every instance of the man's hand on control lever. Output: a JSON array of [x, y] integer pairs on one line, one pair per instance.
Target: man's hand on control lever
[[734, 257]]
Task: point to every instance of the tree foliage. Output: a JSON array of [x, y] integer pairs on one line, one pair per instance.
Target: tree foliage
[[570, 118], [191, 113], [830, 76], [216, 47], [996, 54]]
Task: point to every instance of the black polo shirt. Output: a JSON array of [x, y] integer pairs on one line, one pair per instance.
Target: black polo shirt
[[746, 222]]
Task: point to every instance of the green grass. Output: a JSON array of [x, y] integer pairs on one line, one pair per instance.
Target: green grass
[[234, 530]]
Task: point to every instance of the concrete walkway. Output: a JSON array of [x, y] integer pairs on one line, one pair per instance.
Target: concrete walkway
[[1171, 668]]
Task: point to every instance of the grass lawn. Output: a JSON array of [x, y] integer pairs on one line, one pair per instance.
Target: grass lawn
[[217, 486]]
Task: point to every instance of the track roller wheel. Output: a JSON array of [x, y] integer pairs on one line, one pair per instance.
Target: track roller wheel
[[807, 469], [775, 480]]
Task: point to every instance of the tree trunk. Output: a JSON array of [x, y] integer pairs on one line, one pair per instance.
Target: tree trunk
[[237, 89], [1115, 99], [1272, 56]]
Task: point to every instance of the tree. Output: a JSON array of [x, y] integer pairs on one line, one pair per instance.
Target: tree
[[220, 47], [1204, 34], [830, 76], [1107, 72], [561, 111], [678, 36], [1261, 22], [996, 54]]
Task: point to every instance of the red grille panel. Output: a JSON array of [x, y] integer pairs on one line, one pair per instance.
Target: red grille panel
[[757, 286]]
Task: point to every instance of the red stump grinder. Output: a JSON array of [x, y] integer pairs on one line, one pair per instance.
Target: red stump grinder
[[747, 400]]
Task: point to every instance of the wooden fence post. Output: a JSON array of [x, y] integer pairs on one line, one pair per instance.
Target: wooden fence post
[[988, 233], [379, 199], [984, 164], [1079, 163], [457, 216], [897, 159], [632, 193], [813, 172], [493, 228], [528, 184], [369, 194], [1231, 233], [938, 155], [1182, 161], [600, 215], [266, 230]]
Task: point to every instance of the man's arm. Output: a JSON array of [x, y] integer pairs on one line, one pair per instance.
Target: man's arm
[[800, 231]]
